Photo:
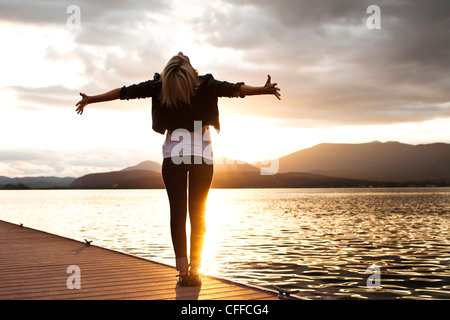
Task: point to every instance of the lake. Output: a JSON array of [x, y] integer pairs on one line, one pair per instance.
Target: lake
[[327, 243]]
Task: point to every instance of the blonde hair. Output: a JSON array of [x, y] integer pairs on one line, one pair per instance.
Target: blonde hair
[[179, 81]]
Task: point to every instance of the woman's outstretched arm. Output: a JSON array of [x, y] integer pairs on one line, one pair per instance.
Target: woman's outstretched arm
[[108, 96], [268, 88]]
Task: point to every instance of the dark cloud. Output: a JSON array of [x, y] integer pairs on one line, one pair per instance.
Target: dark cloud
[[100, 12], [333, 68]]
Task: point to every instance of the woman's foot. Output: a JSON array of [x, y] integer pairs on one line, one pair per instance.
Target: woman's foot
[[183, 278], [194, 278]]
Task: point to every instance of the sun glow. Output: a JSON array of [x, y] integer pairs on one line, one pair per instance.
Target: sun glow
[[249, 139], [215, 262]]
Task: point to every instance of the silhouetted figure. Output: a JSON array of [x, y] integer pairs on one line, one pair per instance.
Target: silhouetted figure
[[184, 106]]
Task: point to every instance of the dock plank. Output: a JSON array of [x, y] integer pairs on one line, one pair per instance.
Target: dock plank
[[33, 266]]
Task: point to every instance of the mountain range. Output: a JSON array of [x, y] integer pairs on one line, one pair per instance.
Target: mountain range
[[324, 165], [389, 161], [37, 182]]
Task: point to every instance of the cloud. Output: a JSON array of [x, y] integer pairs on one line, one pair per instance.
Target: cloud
[[97, 12], [54, 96], [74, 163], [114, 35], [331, 68]]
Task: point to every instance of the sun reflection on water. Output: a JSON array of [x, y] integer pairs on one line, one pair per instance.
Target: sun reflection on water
[[219, 218]]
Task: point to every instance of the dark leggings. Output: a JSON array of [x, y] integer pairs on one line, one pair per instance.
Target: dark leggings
[[183, 196]]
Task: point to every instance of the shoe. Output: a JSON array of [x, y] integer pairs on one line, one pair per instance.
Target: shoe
[[194, 280], [183, 280]]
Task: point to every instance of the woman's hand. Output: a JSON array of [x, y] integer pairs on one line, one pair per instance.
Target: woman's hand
[[268, 88], [271, 88], [108, 96], [82, 103]]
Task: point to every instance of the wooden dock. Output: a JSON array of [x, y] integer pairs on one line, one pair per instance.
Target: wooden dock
[[35, 265]]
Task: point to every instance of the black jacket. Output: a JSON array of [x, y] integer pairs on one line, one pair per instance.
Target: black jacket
[[203, 106]]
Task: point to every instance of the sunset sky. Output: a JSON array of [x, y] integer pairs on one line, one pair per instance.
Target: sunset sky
[[340, 80]]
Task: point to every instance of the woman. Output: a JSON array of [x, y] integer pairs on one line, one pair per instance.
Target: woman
[[184, 105]]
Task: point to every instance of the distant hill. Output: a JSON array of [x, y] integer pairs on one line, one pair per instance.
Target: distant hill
[[37, 182], [390, 161], [228, 174], [223, 164], [128, 179], [145, 165], [146, 179], [147, 175]]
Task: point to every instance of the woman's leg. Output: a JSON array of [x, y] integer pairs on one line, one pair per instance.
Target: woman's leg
[[200, 177], [175, 180]]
